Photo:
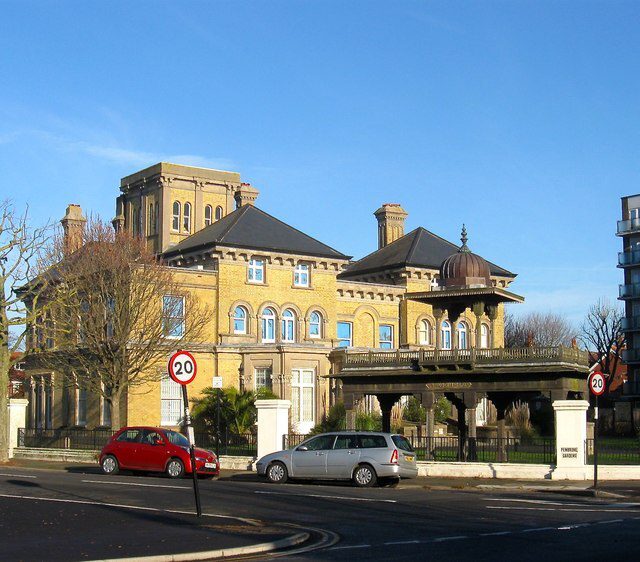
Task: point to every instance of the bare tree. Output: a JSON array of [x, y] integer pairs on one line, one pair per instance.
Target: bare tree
[[122, 314], [20, 248], [601, 333], [537, 330]]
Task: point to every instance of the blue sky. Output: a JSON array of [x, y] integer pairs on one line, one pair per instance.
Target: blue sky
[[518, 118]]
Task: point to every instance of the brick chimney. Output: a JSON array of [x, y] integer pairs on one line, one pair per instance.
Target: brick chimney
[[73, 226], [391, 217], [246, 194]]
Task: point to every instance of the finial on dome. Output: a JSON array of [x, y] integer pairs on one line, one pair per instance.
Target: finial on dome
[[463, 239]]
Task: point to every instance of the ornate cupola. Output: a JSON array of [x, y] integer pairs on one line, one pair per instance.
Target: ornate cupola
[[464, 268]]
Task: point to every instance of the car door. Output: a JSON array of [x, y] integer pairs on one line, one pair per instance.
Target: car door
[[344, 456], [126, 449], [309, 459], [152, 453]]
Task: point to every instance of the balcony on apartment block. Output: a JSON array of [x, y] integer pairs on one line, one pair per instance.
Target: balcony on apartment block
[[631, 355], [631, 291], [630, 324], [628, 227], [627, 259]]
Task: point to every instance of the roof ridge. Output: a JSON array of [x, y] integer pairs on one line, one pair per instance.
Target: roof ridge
[[241, 211], [414, 244]]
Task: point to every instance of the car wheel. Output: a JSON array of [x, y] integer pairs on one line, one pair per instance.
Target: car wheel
[[277, 473], [364, 476], [110, 465], [175, 468]]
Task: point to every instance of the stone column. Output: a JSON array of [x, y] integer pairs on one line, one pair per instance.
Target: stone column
[[438, 314], [386, 404], [492, 313], [571, 435], [17, 413], [478, 312], [273, 425]]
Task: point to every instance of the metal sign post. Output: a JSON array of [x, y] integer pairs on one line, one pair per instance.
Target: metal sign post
[[182, 369], [597, 387]]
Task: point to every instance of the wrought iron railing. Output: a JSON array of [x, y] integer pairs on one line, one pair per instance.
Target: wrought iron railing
[[95, 439], [614, 450], [377, 358], [535, 450]]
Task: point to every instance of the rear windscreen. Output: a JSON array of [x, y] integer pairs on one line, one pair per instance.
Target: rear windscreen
[[402, 442]]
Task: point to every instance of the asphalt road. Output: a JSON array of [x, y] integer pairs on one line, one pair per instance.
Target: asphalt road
[[83, 515]]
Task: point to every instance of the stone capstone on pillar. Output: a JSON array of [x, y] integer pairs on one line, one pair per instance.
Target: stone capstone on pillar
[[273, 425]]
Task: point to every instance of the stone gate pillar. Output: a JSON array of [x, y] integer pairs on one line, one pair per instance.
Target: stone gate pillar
[[571, 436], [17, 419], [273, 424]]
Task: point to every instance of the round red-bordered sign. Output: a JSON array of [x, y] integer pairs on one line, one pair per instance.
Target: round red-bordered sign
[[597, 383], [182, 367]]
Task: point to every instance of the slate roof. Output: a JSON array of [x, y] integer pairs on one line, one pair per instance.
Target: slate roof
[[418, 248], [252, 228]]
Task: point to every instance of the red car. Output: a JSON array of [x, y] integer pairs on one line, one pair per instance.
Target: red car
[[154, 449]]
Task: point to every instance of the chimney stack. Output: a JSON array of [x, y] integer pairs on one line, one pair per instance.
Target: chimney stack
[[246, 194], [73, 226], [391, 218]]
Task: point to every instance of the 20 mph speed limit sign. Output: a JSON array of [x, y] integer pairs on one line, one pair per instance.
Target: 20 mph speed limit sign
[[182, 367], [597, 384]]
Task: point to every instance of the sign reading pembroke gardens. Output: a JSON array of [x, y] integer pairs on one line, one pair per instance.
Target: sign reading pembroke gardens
[[569, 452]]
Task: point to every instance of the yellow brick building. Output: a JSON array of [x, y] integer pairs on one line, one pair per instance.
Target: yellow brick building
[[280, 300]]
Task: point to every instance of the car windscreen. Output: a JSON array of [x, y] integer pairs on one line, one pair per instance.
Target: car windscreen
[[402, 442], [177, 439]]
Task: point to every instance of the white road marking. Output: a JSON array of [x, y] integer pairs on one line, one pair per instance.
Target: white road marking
[[325, 497], [401, 542], [17, 475], [538, 529], [124, 506], [353, 546], [496, 534], [443, 539], [135, 484], [609, 521]]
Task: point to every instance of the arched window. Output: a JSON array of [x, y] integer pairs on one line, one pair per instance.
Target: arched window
[[446, 335], [150, 218], [219, 212], [186, 218], [484, 336], [288, 326], [424, 333], [463, 336], [208, 214], [315, 325], [175, 223], [268, 325], [240, 320]]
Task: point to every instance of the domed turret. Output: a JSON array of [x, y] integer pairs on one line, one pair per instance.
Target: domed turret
[[465, 269]]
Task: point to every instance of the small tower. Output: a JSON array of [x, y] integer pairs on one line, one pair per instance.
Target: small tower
[[73, 225], [391, 217]]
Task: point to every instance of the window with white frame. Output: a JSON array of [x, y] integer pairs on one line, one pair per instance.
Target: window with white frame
[[288, 326], [208, 215], [262, 378], [315, 325], [301, 275], [186, 218], [268, 325], [484, 336], [303, 398], [219, 213], [256, 270], [424, 333], [345, 334], [110, 311], [445, 335], [385, 333], [463, 335], [81, 406], [173, 316], [175, 220], [240, 320], [171, 401]]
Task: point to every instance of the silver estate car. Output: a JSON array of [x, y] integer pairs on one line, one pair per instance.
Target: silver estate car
[[363, 457]]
